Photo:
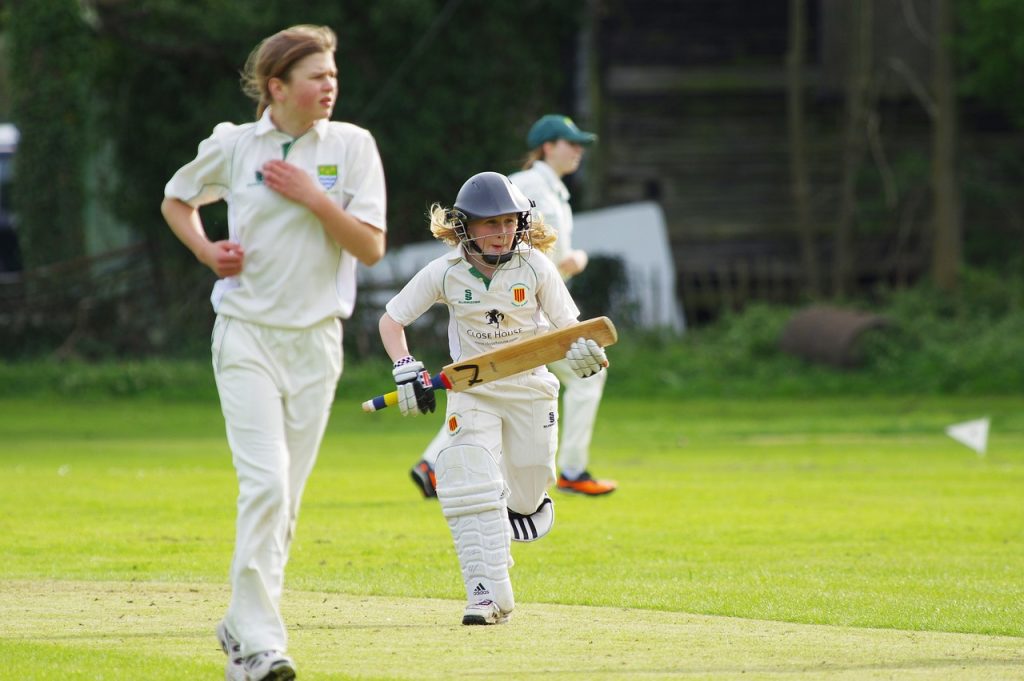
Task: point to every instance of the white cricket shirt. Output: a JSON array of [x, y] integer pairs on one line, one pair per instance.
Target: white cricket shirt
[[526, 296], [541, 183], [294, 274]]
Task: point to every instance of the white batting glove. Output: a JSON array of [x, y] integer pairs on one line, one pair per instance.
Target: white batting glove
[[586, 357], [415, 390]]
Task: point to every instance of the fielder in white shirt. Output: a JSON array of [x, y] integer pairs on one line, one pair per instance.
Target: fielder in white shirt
[[556, 149], [306, 200], [498, 455]]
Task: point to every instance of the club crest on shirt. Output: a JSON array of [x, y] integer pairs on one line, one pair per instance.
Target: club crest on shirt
[[453, 424], [518, 294], [327, 175]]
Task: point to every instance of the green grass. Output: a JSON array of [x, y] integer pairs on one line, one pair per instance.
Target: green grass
[[780, 515]]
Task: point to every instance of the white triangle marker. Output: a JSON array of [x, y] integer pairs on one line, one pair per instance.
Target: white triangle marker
[[974, 434]]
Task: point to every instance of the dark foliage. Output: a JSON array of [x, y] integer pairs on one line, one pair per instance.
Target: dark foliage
[[446, 94], [50, 69], [991, 53], [448, 88]]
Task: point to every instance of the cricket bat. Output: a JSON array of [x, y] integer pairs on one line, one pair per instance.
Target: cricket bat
[[510, 359]]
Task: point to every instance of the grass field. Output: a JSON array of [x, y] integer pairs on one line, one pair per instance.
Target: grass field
[[778, 539]]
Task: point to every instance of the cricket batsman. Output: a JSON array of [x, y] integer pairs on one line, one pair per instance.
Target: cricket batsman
[[556, 147], [498, 457]]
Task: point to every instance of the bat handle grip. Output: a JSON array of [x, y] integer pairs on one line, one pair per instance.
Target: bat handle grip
[[381, 402], [438, 381]]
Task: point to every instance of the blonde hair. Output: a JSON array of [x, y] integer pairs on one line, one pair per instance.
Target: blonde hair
[[275, 56], [539, 236], [532, 156]]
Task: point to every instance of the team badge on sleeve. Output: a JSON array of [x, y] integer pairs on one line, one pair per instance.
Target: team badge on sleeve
[[327, 175], [519, 295]]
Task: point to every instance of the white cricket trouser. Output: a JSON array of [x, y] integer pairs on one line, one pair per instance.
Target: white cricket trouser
[[516, 420], [581, 398], [276, 389]]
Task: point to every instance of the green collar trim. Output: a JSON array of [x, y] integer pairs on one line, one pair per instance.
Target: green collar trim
[[480, 275]]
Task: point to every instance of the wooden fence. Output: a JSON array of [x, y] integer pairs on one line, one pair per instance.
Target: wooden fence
[[60, 305]]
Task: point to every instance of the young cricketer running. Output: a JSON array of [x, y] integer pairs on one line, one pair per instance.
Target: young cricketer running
[[499, 457], [556, 147]]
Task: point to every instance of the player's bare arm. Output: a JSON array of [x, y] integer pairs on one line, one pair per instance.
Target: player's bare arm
[[392, 335], [365, 242], [415, 393], [573, 263], [225, 258]]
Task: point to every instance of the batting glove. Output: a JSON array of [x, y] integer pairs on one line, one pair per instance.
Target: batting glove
[[586, 357], [415, 390]]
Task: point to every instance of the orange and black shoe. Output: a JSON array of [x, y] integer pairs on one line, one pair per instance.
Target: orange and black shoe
[[426, 482], [585, 484]]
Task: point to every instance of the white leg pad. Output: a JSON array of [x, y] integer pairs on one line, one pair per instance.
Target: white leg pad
[[472, 495]]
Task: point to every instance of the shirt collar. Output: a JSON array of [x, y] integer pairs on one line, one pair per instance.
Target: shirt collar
[[321, 128], [265, 124], [552, 178]]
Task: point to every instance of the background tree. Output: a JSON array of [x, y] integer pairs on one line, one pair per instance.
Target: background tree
[[946, 253], [50, 62], [797, 128], [990, 53], [448, 88], [989, 60], [858, 86]]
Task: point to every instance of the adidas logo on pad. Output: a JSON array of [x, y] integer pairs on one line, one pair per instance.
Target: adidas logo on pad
[[480, 590]]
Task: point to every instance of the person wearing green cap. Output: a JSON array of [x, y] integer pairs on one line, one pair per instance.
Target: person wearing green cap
[[556, 147]]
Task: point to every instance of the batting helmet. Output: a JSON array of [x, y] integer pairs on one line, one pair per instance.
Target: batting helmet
[[488, 195]]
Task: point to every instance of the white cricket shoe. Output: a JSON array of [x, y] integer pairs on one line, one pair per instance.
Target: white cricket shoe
[[233, 669], [270, 665], [484, 612]]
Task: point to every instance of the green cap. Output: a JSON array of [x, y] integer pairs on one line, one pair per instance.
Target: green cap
[[557, 127]]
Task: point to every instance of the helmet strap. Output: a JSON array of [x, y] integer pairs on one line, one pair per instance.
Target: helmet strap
[[489, 258]]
